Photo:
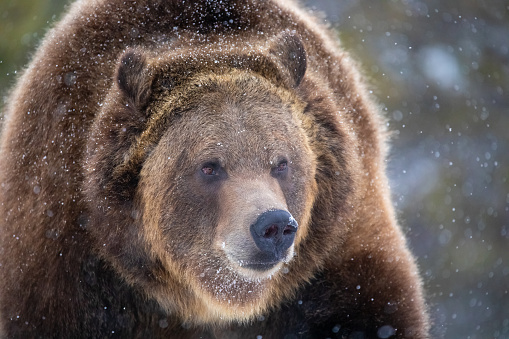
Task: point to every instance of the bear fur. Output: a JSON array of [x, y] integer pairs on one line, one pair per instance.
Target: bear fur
[[144, 141]]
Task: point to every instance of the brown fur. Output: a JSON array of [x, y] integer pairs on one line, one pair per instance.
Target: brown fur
[[108, 227]]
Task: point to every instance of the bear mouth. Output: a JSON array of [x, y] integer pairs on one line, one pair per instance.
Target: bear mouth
[[262, 265], [259, 266], [263, 261]]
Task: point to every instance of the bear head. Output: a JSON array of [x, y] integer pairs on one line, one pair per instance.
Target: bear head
[[200, 175]]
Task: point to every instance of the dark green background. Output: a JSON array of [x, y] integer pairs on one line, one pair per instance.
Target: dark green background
[[440, 70]]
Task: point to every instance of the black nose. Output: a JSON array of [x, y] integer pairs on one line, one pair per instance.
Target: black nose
[[273, 233]]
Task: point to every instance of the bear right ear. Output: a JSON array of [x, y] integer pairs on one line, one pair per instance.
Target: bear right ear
[[288, 48], [133, 78]]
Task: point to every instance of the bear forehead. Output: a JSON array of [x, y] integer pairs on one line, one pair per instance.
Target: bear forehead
[[227, 128], [239, 112], [237, 106]]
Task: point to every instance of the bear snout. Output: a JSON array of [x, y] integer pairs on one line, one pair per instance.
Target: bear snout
[[273, 233]]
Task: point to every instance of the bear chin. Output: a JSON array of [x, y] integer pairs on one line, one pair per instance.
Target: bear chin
[[232, 294]]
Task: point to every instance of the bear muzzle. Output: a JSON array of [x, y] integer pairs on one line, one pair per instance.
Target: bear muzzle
[[256, 232]]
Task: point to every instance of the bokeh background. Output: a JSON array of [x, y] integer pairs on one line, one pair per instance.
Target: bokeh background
[[440, 71]]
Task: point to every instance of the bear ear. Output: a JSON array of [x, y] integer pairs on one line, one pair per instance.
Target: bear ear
[[133, 78], [288, 48]]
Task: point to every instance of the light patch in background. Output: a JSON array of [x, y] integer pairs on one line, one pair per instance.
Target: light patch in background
[[441, 67]]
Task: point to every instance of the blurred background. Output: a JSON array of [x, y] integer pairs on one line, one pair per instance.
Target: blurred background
[[440, 71]]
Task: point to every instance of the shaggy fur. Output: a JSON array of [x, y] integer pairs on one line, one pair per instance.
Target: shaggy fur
[[109, 227]]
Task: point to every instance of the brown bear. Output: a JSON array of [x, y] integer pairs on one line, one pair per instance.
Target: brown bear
[[198, 169]]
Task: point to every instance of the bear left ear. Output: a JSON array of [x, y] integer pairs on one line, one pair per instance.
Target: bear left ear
[[288, 48], [133, 78]]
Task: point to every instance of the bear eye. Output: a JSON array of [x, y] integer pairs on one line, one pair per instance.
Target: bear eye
[[208, 170], [282, 166], [281, 169], [212, 170]]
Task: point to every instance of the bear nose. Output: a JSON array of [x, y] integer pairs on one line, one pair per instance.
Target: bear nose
[[273, 233]]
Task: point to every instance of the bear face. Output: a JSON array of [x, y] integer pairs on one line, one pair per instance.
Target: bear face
[[233, 173], [235, 201]]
